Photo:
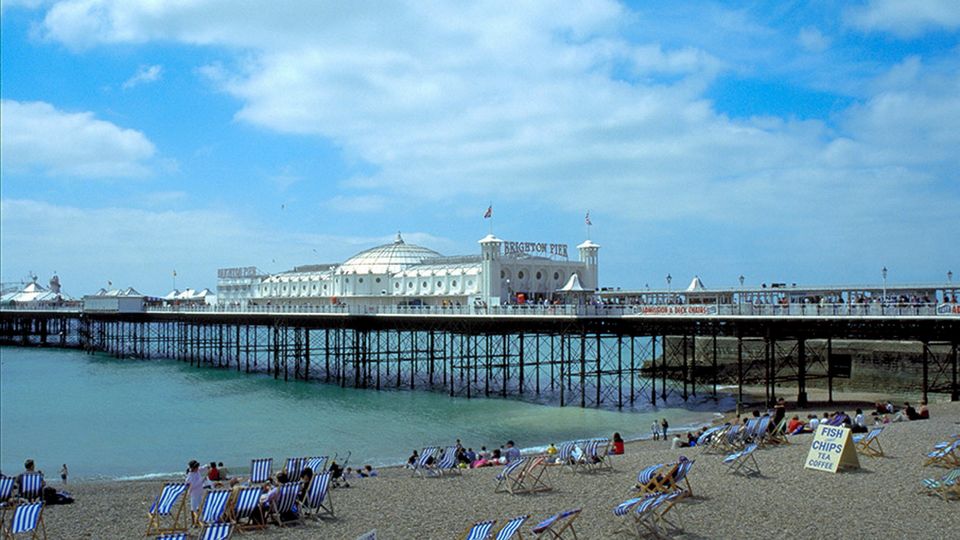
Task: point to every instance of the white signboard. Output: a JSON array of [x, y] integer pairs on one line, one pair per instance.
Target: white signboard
[[832, 448], [687, 309]]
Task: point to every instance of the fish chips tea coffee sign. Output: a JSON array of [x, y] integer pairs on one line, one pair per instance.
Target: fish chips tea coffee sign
[[831, 449]]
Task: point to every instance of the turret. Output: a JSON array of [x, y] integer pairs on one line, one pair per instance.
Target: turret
[[589, 256], [490, 269]]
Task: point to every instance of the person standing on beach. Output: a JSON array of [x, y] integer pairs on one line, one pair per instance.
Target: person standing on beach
[[195, 480], [665, 426], [655, 429], [63, 474]]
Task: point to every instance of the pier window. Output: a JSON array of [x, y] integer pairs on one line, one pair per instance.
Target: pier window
[[520, 274], [539, 276]]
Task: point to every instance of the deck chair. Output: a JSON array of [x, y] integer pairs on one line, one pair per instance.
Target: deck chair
[[220, 531], [565, 453], [213, 509], [27, 518], [779, 433], [556, 525], [478, 531], [679, 476], [511, 529], [647, 478], [284, 503], [448, 462], [594, 453], [248, 499], [533, 477], [294, 467], [946, 456], [6, 494], [425, 463], [869, 444], [510, 479], [650, 514], [173, 536], [167, 509], [317, 464], [31, 486], [261, 470], [743, 462], [317, 500], [704, 440], [943, 487]]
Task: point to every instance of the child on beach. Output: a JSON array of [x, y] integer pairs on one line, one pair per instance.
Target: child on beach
[[63, 474]]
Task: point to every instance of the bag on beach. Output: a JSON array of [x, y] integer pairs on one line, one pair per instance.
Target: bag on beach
[[52, 496]]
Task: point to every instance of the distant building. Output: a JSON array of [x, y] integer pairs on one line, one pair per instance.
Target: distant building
[[35, 294], [127, 300], [190, 297], [503, 272]]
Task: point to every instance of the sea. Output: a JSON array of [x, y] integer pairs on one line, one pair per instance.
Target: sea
[[110, 418]]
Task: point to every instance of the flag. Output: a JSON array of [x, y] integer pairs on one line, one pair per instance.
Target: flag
[[489, 213], [587, 219], [174, 273]]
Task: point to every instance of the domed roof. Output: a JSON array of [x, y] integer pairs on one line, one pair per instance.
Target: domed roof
[[387, 259]]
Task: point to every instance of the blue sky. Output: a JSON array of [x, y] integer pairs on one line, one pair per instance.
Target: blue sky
[[785, 141]]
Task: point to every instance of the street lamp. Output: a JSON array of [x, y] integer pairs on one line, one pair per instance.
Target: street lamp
[[740, 296], [949, 276], [669, 291], [884, 299]]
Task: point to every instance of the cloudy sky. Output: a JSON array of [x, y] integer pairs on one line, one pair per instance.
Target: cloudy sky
[[785, 141]]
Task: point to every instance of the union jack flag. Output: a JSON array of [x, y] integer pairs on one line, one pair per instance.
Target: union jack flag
[[587, 218], [489, 213]]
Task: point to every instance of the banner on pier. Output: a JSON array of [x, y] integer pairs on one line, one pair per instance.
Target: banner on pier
[[687, 309]]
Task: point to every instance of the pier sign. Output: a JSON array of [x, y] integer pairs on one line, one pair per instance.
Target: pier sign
[[688, 309], [948, 309], [832, 448]]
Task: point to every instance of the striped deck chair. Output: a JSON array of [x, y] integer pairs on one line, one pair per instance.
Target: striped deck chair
[[214, 506], [173, 536], [624, 509], [31, 486], [294, 467], [168, 507], [647, 478], [868, 444], [743, 462], [285, 502], [779, 433], [6, 494], [478, 531], [946, 456], [27, 518], [762, 431], [220, 531], [943, 487], [650, 514], [317, 464], [261, 470], [733, 436], [448, 462], [533, 477], [556, 525], [510, 479], [592, 453], [679, 476], [565, 453], [247, 501], [426, 462], [705, 438], [317, 500], [511, 528]]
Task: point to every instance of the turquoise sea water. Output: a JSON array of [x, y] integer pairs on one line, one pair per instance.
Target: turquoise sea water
[[115, 418]]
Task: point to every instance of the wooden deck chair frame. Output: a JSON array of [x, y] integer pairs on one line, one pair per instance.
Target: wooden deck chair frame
[[779, 433], [261, 470], [511, 529], [170, 503], [479, 530], [218, 531], [447, 464], [945, 487], [648, 479], [680, 475], [624, 511], [743, 462], [285, 501], [533, 477], [947, 456], [26, 514], [214, 507], [317, 501], [510, 479], [565, 521], [869, 445], [246, 502], [644, 517]]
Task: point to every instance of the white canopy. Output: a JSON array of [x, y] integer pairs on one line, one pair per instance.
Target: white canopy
[[696, 285], [573, 285]]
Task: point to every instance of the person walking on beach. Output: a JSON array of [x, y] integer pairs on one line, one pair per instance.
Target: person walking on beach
[[655, 429], [63, 474], [195, 480], [665, 425]]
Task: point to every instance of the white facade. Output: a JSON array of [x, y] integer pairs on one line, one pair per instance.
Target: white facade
[[401, 273]]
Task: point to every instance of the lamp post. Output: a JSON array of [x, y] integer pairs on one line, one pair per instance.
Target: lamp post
[[740, 296], [883, 300], [669, 291], [949, 276]]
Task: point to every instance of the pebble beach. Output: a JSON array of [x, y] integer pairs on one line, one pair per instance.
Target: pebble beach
[[880, 500]]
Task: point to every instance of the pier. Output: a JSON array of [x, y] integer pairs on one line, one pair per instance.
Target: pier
[[583, 356]]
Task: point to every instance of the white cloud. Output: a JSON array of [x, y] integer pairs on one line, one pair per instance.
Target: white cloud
[[906, 19], [145, 74], [37, 136], [813, 40]]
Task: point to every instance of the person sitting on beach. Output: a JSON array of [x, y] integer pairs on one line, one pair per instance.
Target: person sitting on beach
[[223, 471], [306, 476], [497, 458], [213, 473], [512, 453], [795, 425], [677, 442], [268, 494], [879, 409], [412, 460], [470, 455], [923, 414], [617, 444], [889, 407], [859, 423], [552, 450], [369, 471], [691, 439], [907, 413], [28, 467], [813, 421]]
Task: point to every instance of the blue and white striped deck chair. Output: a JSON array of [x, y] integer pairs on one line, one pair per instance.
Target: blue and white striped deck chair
[[318, 500], [680, 476], [645, 479], [426, 462], [168, 507], [479, 530], [248, 499], [294, 467], [31, 486], [448, 462], [743, 461], [556, 525], [593, 454], [214, 506], [27, 518], [704, 439], [761, 430], [868, 444], [6, 494], [285, 502], [624, 509], [260, 470], [220, 531], [565, 453], [947, 456], [173, 536], [511, 528], [509, 480], [943, 487], [317, 464], [649, 515]]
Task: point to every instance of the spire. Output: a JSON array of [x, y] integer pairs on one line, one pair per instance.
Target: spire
[[399, 239]]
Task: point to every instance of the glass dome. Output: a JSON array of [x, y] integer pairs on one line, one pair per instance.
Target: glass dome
[[387, 259]]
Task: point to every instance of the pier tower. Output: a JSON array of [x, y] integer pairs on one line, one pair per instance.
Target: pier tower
[[589, 256]]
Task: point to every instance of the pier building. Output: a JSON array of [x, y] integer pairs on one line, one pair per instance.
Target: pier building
[[402, 273]]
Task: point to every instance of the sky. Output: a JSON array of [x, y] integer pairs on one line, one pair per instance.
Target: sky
[[805, 142]]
